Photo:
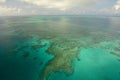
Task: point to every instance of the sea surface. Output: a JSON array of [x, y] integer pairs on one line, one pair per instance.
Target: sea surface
[[60, 48]]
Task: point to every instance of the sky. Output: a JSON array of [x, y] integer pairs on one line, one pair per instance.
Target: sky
[[59, 7]]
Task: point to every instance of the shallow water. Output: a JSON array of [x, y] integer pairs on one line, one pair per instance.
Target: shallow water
[[60, 48]]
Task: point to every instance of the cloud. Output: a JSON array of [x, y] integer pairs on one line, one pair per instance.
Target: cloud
[[49, 3], [60, 4], [59, 7], [2, 1], [4, 10], [117, 5]]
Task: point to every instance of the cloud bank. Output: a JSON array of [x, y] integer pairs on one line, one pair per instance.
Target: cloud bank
[[59, 7], [60, 4]]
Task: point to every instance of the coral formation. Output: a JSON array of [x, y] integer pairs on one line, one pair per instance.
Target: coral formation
[[66, 49], [26, 54], [65, 52]]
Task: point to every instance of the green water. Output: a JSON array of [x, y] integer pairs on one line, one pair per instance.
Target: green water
[[25, 43]]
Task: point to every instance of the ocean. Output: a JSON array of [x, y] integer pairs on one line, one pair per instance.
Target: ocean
[[60, 48]]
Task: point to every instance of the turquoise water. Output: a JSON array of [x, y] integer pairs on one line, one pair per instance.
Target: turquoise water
[[29, 46]]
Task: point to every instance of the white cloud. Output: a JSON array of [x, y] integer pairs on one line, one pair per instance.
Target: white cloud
[[49, 3], [60, 4], [2, 1], [117, 5], [4, 10]]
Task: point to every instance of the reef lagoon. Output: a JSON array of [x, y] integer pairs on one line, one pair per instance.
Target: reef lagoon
[[60, 48]]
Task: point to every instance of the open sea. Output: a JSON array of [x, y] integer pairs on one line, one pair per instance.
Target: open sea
[[60, 48]]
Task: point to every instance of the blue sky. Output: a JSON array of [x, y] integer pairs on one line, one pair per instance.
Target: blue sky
[[59, 7]]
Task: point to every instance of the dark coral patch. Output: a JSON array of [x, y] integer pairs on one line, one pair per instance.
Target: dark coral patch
[[37, 46], [35, 58], [26, 54]]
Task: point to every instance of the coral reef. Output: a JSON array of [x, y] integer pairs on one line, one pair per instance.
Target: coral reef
[[26, 54], [65, 49], [65, 52], [113, 47]]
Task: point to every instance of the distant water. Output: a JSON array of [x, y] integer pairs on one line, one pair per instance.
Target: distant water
[[24, 42]]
